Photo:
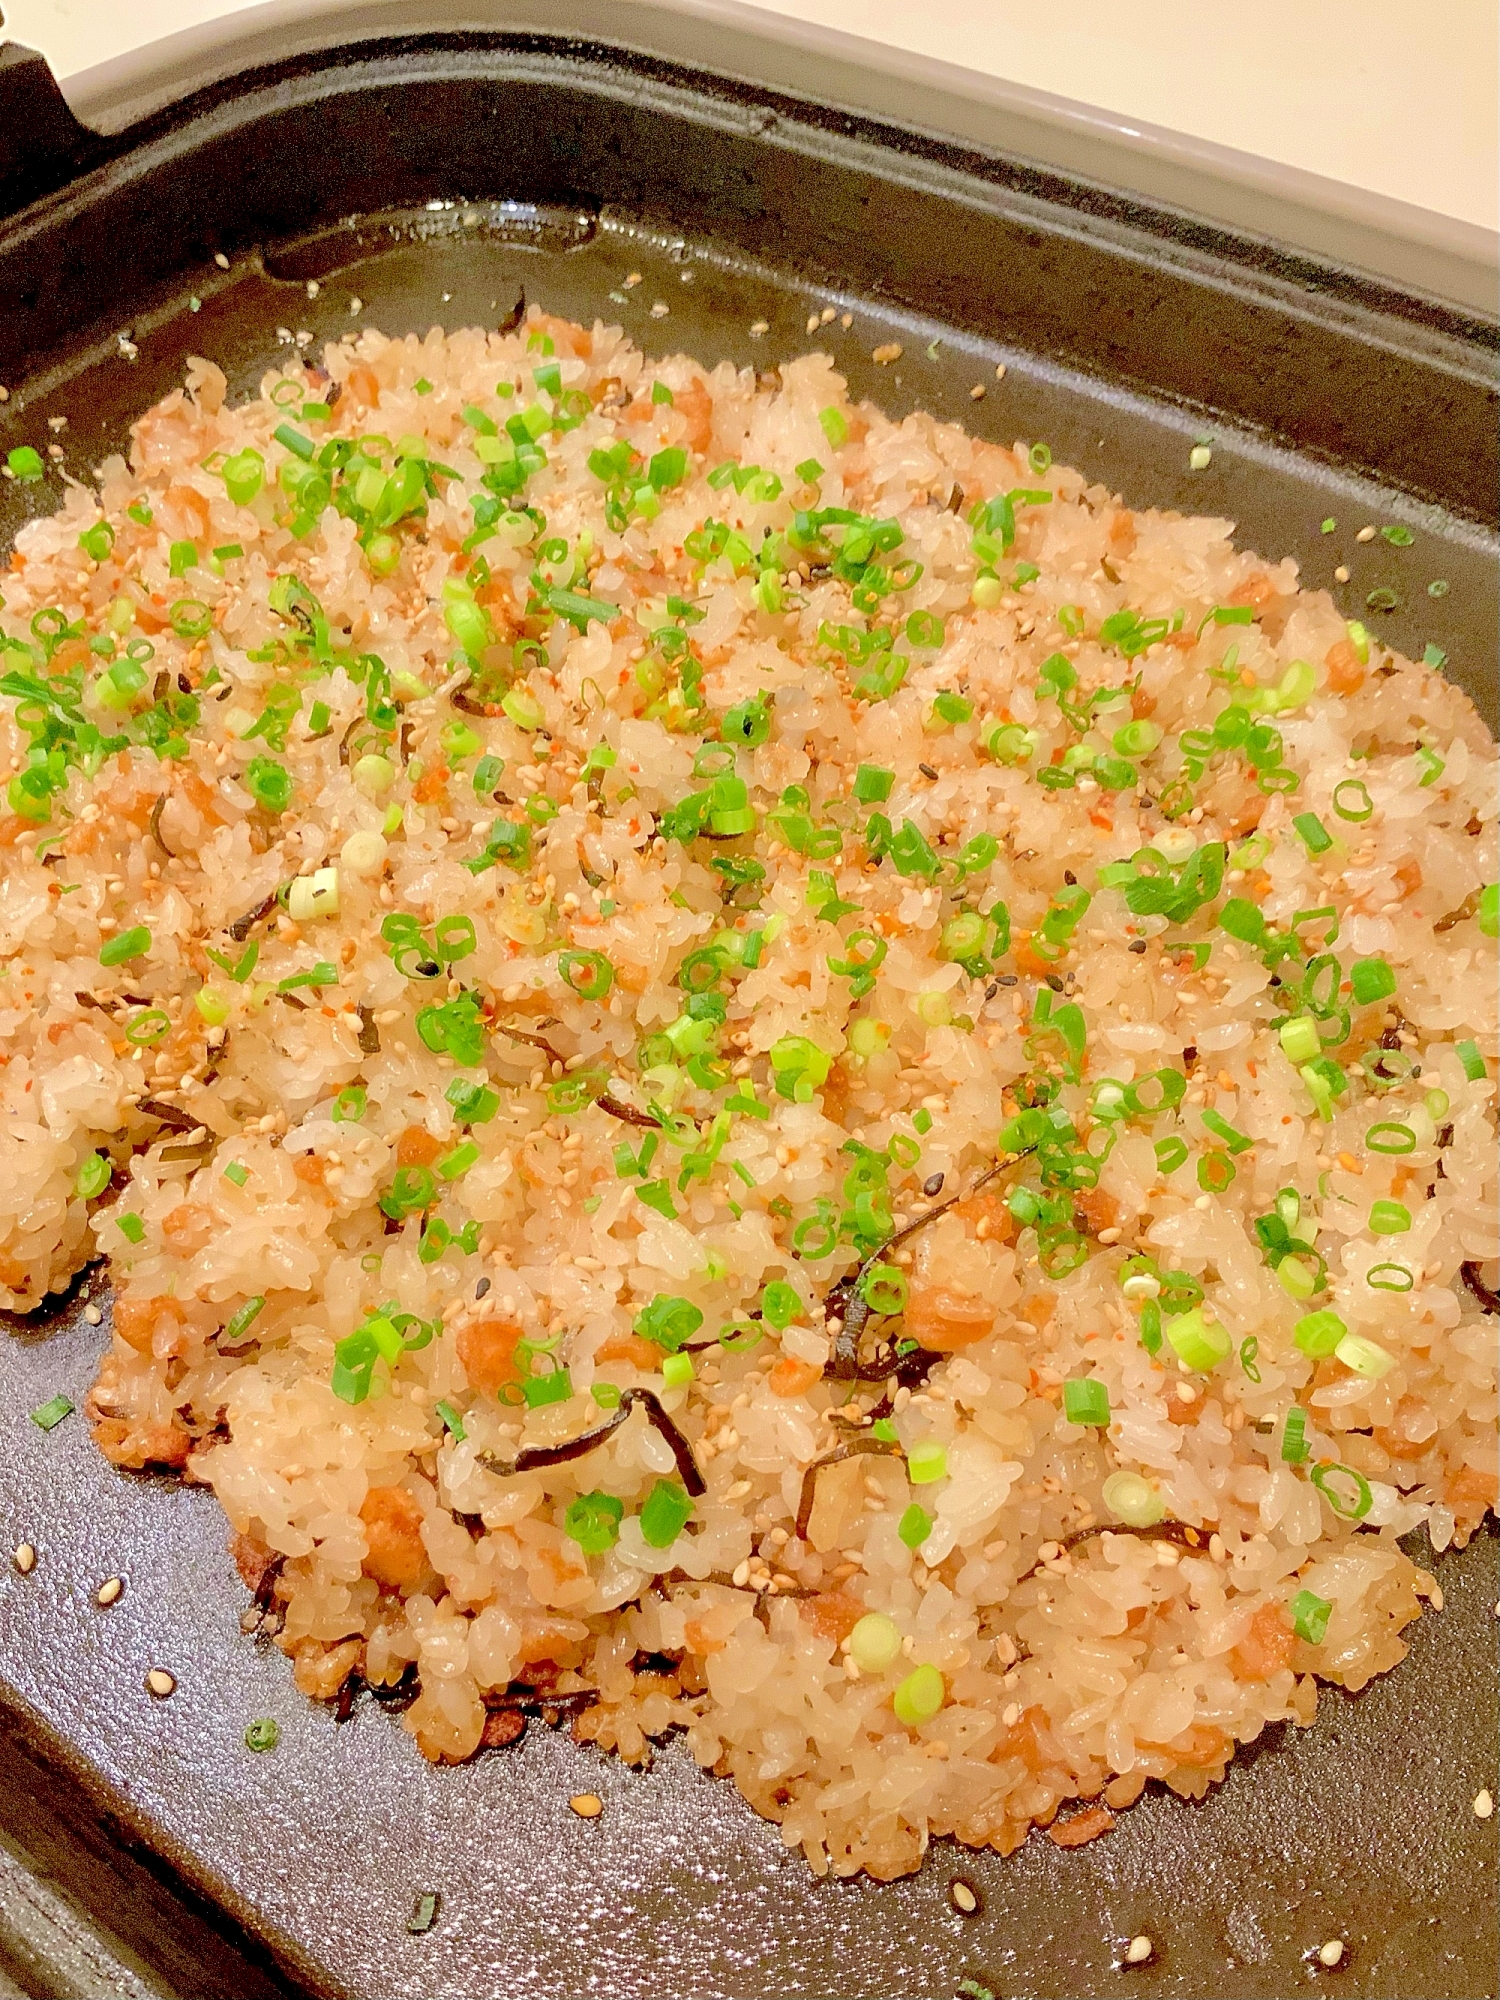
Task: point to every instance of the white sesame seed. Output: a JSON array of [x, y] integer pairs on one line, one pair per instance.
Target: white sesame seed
[[1341, 574], [962, 1897], [110, 1590], [1484, 1805], [1365, 535], [93, 1315], [1200, 458], [1138, 1950], [1329, 1954], [160, 1683], [24, 1558]]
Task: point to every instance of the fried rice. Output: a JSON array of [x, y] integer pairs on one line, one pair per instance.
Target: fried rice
[[754, 1070]]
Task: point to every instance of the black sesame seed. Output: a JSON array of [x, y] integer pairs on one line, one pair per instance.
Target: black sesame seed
[[928, 772], [1008, 979], [932, 1185], [1137, 945], [481, 1288], [1070, 878]]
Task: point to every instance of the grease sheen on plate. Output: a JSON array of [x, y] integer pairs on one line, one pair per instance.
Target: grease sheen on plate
[[748, 1069]]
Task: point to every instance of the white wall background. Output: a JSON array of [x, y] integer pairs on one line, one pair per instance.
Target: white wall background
[[1396, 96]]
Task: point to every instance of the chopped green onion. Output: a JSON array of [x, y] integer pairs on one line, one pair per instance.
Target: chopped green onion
[[1310, 1616], [1364, 1357], [668, 1321], [588, 973], [131, 1227], [875, 1643], [834, 427], [540, 1391], [93, 1177], [920, 1695], [1351, 799], [1294, 1445], [1390, 1136], [127, 947], [25, 464], [666, 1513], [927, 1461], [237, 1172], [269, 784], [148, 1026], [1235, 1140], [243, 474], [241, 1320], [593, 1522], [1355, 1510], [1086, 1401], [47, 1416], [1472, 1061], [1315, 836], [872, 784], [914, 1526], [1299, 1039], [1389, 1218], [294, 441], [1170, 1154], [1296, 1278], [677, 1370], [1133, 1500], [1202, 1344], [1389, 1278], [454, 1165], [1319, 1333], [263, 1734], [1371, 979], [424, 1910]]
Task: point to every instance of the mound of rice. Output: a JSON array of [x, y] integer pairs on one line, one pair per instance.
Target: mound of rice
[[528, 868]]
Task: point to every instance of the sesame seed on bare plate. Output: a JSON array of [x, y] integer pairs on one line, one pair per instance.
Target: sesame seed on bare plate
[[1484, 1805], [963, 1897], [587, 1805], [886, 353], [24, 1558], [160, 1683], [110, 1591], [1331, 1953], [1139, 1950]]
